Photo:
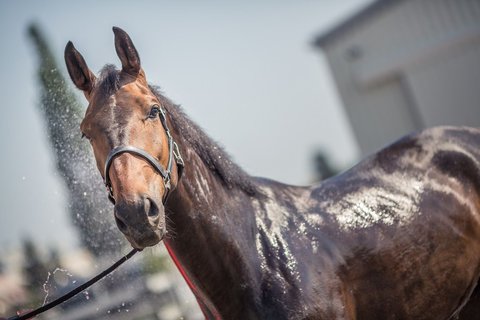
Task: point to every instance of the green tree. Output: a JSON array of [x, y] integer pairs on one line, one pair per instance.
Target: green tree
[[322, 166], [62, 112]]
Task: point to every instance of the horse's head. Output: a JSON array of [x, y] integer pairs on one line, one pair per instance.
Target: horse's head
[[127, 128]]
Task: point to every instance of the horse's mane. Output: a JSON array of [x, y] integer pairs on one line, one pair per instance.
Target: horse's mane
[[209, 151]]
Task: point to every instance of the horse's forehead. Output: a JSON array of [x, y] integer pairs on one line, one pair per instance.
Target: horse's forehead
[[132, 93], [105, 111]]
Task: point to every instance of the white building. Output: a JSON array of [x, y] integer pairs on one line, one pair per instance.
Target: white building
[[401, 65]]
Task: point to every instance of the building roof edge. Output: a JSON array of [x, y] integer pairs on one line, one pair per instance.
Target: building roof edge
[[345, 25]]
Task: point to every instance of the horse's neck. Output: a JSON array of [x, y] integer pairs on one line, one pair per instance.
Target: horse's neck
[[211, 234]]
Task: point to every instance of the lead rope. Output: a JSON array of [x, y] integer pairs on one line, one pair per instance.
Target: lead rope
[[75, 291]]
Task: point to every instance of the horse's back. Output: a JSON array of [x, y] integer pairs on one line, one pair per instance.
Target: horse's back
[[406, 225], [395, 237]]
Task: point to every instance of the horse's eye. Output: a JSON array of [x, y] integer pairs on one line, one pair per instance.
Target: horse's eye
[[154, 112], [84, 136]]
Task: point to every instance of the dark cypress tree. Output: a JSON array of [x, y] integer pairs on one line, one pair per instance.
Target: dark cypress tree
[[90, 211], [34, 270], [322, 166]]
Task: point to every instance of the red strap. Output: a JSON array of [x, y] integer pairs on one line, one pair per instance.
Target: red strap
[[203, 303]]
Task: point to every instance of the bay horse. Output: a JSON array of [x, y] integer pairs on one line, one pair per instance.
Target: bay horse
[[395, 237]]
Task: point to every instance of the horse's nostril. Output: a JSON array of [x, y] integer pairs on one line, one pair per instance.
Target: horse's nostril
[[120, 224], [151, 208]]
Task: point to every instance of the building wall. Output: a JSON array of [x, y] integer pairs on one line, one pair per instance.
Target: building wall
[[447, 90], [407, 65]]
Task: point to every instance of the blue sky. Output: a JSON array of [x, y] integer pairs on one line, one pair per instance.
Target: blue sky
[[244, 70]]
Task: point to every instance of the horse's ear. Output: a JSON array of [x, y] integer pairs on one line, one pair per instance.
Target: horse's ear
[[82, 77], [126, 52]]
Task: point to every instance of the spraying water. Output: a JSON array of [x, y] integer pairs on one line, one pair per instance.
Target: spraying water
[[53, 280], [62, 113]]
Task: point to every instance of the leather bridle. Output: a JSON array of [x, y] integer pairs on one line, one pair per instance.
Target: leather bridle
[[166, 173]]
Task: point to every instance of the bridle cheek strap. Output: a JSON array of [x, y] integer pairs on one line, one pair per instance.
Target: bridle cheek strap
[[166, 173]]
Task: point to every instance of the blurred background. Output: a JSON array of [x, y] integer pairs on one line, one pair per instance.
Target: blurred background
[[331, 80]]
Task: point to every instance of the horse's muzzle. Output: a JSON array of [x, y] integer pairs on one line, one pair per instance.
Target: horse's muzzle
[[141, 219]]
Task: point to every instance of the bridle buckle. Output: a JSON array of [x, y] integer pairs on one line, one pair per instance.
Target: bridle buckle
[[167, 183], [177, 155]]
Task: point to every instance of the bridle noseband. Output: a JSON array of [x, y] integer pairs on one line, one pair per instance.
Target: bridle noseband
[[166, 173]]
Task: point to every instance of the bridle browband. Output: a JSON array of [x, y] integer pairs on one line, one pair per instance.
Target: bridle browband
[[166, 173]]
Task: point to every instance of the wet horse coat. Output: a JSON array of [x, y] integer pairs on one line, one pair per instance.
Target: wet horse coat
[[395, 237]]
